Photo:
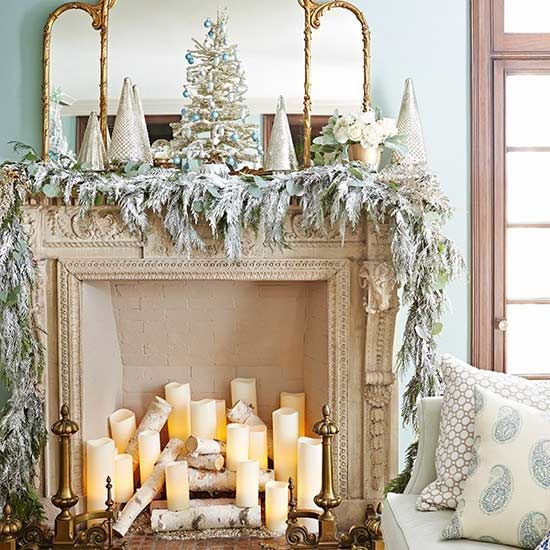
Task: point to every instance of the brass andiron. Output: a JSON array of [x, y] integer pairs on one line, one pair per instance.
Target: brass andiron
[[68, 531], [297, 536]]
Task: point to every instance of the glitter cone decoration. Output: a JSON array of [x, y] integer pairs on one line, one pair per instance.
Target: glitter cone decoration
[[213, 127], [59, 146], [409, 127], [126, 141], [142, 127], [281, 155], [92, 154]]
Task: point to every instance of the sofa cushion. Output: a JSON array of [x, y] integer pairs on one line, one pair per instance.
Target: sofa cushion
[[454, 447], [405, 528], [506, 497]]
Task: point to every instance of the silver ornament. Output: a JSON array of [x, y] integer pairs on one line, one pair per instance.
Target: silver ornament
[[142, 127], [92, 151], [281, 156], [409, 126]]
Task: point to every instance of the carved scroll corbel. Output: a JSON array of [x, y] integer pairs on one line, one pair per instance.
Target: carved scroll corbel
[[378, 281]]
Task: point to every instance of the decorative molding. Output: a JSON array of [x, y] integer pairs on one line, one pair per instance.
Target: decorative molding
[[378, 281], [73, 273]]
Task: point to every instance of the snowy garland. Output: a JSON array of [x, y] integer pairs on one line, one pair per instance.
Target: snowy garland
[[408, 198]]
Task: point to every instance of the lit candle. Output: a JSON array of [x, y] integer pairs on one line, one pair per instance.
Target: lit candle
[[285, 443], [257, 445], [177, 486], [124, 478], [203, 419], [237, 445], [310, 467], [296, 401], [123, 427], [244, 389], [221, 420], [276, 506], [100, 464], [179, 421], [248, 484], [149, 452]]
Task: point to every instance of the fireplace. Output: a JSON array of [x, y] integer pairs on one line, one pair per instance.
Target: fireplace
[[124, 316]]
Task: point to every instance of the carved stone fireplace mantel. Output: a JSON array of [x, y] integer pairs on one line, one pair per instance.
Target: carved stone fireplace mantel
[[361, 304]]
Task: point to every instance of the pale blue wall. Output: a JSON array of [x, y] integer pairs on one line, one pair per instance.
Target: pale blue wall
[[425, 39]]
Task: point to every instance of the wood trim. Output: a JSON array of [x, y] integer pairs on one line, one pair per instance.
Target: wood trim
[[482, 328]]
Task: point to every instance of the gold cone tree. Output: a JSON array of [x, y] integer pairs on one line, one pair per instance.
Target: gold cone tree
[[213, 127]]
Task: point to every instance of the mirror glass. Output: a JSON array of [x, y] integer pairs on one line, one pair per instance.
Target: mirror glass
[[74, 77], [149, 40]]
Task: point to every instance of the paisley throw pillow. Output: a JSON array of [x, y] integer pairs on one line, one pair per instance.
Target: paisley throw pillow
[[506, 497], [456, 445]]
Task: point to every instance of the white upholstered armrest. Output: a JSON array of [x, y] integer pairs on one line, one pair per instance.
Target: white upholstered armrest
[[429, 416]]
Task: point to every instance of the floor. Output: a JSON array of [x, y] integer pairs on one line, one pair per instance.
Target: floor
[[149, 542]]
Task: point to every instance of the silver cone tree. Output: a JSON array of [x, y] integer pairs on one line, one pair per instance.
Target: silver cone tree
[[409, 127], [281, 155], [92, 152], [126, 141], [142, 127]]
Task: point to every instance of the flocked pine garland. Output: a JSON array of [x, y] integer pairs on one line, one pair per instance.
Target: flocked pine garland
[[409, 198]]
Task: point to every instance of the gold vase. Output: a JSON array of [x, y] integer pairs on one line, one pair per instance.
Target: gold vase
[[370, 156]]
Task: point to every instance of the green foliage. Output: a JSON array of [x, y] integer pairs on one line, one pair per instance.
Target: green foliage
[[399, 483]]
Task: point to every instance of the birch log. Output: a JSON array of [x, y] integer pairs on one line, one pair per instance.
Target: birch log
[[198, 446], [241, 413], [150, 489], [205, 514], [206, 462], [223, 482], [156, 416]]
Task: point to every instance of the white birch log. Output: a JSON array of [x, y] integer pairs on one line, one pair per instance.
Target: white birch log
[[150, 489], [198, 446], [156, 416], [241, 413], [224, 481], [205, 514], [206, 462]]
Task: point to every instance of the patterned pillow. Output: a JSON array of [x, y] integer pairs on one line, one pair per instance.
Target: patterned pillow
[[506, 497], [545, 544], [454, 447]]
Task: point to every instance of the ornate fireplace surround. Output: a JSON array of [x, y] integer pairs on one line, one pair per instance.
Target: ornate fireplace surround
[[362, 306]]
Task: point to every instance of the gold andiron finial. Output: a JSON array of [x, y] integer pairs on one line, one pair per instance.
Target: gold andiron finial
[[298, 536]]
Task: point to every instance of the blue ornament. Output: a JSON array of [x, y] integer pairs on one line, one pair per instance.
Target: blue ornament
[[215, 115], [255, 136], [183, 111], [208, 23], [190, 59], [230, 161], [185, 93], [186, 166], [177, 160], [195, 118], [234, 137], [212, 34], [225, 57]]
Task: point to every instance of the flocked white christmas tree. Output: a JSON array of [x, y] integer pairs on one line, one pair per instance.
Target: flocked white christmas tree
[[213, 126]]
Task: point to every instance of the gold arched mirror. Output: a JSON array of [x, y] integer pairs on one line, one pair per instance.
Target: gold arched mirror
[[148, 41]]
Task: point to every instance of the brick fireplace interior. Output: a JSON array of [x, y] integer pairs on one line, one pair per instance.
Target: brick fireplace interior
[[139, 335]]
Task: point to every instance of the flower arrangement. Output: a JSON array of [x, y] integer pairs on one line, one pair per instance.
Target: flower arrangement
[[343, 132]]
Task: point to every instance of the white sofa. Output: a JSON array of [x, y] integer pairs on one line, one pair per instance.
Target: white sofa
[[403, 526]]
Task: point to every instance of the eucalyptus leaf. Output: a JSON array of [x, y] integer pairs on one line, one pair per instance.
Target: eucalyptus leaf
[[255, 191], [198, 206], [144, 169], [260, 182], [213, 190], [51, 190], [437, 329]]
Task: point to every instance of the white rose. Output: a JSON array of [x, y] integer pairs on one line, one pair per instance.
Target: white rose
[[355, 132], [348, 119], [371, 136]]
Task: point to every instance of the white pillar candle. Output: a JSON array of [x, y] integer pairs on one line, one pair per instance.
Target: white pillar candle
[[285, 443], [257, 445], [296, 401], [248, 484], [123, 428], [310, 468], [276, 506], [124, 478], [203, 419], [177, 486], [100, 464], [149, 452], [244, 389], [237, 445], [179, 421], [221, 420]]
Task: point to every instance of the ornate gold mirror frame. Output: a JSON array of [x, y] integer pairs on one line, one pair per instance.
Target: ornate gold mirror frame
[[99, 14]]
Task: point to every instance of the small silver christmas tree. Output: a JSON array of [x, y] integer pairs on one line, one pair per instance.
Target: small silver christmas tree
[[213, 127]]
